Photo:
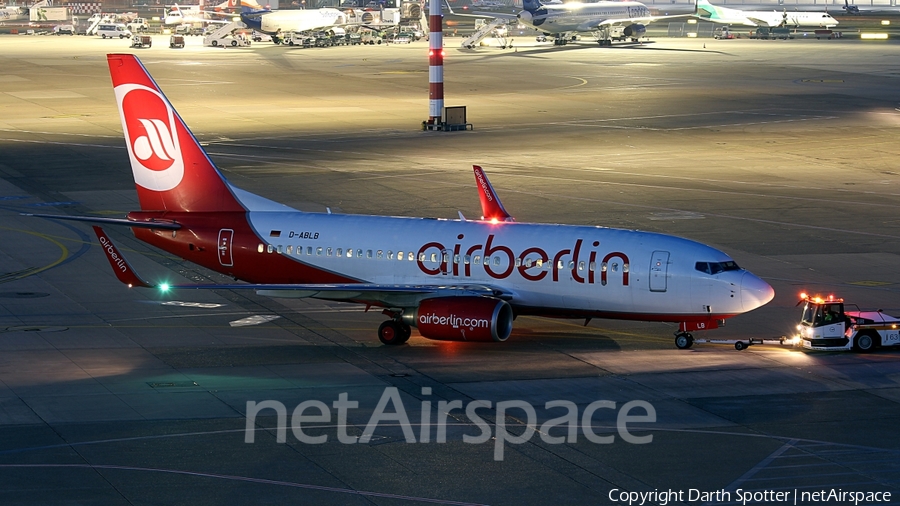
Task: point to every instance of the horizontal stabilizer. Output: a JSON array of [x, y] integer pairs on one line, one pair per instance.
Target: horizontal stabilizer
[[120, 266], [159, 225]]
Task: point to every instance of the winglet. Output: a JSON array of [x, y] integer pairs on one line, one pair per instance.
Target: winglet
[[491, 207], [120, 266]]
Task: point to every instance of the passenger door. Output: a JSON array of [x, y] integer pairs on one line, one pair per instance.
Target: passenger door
[[659, 269]]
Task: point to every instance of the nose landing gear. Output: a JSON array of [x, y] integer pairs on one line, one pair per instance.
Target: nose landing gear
[[683, 340]]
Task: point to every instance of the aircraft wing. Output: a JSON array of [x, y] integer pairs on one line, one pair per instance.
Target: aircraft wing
[[761, 22], [485, 14], [628, 21], [366, 293]]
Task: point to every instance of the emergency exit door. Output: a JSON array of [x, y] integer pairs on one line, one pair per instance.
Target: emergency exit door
[[224, 246], [659, 269]]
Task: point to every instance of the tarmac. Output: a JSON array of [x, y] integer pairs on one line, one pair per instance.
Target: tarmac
[[783, 154]]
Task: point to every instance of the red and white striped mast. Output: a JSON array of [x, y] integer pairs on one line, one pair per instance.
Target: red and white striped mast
[[435, 63]]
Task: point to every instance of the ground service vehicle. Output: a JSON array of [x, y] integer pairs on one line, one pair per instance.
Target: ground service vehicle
[[176, 41], [824, 325], [112, 31], [141, 41], [138, 25]]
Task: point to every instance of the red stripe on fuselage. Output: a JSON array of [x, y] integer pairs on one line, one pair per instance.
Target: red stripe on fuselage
[[197, 242]]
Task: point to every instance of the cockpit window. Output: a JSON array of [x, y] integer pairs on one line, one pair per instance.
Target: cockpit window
[[716, 267]]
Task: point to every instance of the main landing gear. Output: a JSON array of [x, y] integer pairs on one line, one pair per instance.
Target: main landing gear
[[394, 331], [605, 42], [684, 340]]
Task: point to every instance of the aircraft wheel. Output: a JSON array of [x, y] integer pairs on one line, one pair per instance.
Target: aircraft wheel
[[234, 43], [407, 331], [215, 43], [684, 341], [864, 343], [390, 333], [740, 345], [102, 36]]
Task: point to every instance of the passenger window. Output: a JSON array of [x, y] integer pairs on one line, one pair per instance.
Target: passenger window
[[518, 262], [328, 252], [368, 253], [340, 252], [270, 248], [467, 259], [593, 266], [560, 266], [290, 249], [390, 255], [581, 266], [359, 253], [309, 250], [319, 251], [279, 249], [456, 259], [571, 264], [528, 263], [477, 260], [261, 248], [487, 260], [496, 260], [615, 267], [603, 267], [539, 262], [410, 256], [421, 257], [624, 267], [379, 254]]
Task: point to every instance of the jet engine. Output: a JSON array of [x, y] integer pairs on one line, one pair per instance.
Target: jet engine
[[462, 319], [410, 10], [635, 31]]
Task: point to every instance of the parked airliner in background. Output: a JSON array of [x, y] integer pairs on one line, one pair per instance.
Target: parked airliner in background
[[605, 20], [197, 14], [294, 20], [178, 15], [458, 280], [726, 16]]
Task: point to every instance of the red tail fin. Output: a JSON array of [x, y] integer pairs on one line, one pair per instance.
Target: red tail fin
[[491, 207], [171, 170]]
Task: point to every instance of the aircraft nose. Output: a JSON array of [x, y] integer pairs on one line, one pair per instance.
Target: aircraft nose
[[755, 292]]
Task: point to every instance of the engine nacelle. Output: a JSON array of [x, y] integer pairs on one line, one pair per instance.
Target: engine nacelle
[[635, 31], [463, 319]]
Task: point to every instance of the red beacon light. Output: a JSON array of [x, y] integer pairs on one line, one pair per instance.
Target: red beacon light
[[818, 299]]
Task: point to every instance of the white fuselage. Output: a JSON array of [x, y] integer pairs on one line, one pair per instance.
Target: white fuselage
[[582, 270], [584, 17], [300, 20], [775, 18], [182, 16]]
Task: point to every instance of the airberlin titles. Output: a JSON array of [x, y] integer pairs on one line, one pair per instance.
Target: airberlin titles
[[533, 263], [530, 262]]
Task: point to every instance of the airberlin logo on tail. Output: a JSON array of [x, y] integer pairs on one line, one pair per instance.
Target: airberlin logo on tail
[[149, 124]]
